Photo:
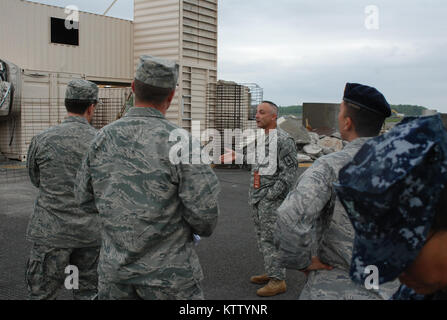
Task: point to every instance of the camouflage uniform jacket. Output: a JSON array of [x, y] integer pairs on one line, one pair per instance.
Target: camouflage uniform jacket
[[149, 207], [311, 219], [276, 187], [312, 222], [54, 157]]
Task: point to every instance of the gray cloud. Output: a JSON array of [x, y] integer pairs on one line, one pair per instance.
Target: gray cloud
[[301, 50]]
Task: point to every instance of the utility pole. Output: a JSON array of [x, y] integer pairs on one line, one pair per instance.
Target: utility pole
[[110, 7]]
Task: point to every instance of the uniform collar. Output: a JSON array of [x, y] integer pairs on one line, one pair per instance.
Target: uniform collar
[[357, 143], [78, 119], [144, 112]]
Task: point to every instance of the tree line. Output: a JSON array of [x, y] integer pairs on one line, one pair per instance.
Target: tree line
[[406, 109]]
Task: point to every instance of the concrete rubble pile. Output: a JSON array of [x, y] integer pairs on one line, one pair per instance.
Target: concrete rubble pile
[[311, 145], [5, 88]]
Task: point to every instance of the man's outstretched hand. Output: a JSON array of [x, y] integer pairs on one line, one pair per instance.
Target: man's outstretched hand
[[229, 157]]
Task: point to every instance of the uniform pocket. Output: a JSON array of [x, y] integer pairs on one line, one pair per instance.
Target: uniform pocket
[[34, 269]]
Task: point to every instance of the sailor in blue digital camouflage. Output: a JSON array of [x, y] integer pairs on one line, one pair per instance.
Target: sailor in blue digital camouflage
[[149, 207], [62, 233], [394, 191], [313, 231], [267, 191]]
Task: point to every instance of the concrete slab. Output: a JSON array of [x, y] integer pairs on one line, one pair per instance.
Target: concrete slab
[[321, 115]]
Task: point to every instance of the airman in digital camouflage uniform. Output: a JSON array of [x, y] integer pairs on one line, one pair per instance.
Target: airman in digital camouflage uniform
[[267, 192], [313, 230], [395, 193], [62, 233], [149, 207]]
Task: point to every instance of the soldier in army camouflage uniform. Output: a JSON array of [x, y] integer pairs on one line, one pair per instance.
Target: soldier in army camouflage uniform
[[149, 207], [313, 231], [62, 233], [266, 194], [395, 193]]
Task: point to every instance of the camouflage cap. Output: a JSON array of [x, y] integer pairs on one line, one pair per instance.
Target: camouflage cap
[[390, 191], [80, 89], [160, 73]]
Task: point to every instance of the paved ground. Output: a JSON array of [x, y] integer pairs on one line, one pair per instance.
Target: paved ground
[[228, 258]]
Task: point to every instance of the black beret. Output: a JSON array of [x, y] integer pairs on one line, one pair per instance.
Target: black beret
[[367, 98]]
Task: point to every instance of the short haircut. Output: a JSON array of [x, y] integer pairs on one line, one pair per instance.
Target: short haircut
[[149, 94], [78, 106], [273, 105], [440, 219], [366, 123]]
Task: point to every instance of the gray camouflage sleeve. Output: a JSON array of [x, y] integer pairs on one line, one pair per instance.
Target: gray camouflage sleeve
[[287, 169], [296, 228], [31, 164], [83, 186], [199, 189]]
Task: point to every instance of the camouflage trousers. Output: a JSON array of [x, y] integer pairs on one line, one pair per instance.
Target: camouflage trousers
[[120, 291], [264, 218], [45, 271]]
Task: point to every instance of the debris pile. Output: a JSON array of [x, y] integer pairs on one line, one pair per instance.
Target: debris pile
[[311, 145], [5, 88]]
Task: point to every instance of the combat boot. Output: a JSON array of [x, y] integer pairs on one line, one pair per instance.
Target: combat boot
[[272, 288], [260, 279]]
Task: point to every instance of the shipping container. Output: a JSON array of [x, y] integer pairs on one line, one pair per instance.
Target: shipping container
[[43, 37], [41, 106], [105, 50]]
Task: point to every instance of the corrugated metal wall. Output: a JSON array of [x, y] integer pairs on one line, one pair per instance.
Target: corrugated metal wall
[[105, 51], [198, 57], [157, 33], [184, 31], [156, 28]]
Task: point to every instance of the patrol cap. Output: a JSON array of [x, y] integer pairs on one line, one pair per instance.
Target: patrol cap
[[80, 89], [367, 98], [390, 191], [156, 72]]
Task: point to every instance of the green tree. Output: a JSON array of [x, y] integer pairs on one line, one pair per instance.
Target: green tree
[[407, 110]]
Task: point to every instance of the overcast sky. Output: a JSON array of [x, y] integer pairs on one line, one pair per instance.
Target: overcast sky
[[305, 51]]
